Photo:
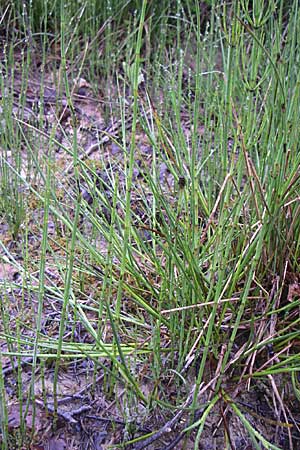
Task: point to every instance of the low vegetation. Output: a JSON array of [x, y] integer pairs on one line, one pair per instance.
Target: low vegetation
[[149, 218]]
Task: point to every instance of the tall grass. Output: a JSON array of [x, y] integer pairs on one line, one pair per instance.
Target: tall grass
[[187, 273]]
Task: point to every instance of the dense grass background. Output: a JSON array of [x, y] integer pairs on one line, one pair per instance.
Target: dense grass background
[[186, 285]]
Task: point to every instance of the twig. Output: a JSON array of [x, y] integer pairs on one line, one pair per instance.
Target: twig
[[8, 370], [181, 435], [167, 428], [109, 133], [66, 415]]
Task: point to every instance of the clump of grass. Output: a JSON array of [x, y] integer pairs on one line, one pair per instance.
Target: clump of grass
[[193, 250]]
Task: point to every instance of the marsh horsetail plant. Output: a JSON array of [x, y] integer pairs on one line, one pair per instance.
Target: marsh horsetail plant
[[149, 224]]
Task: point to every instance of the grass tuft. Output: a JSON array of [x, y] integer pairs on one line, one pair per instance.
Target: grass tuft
[[149, 217]]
